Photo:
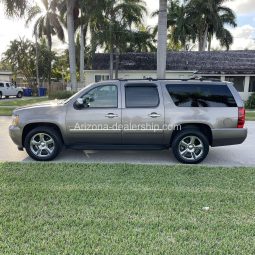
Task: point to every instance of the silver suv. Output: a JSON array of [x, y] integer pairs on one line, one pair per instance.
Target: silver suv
[[185, 115]]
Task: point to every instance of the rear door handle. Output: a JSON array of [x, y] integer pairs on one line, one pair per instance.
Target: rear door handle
[[154, 115], [111, 115]]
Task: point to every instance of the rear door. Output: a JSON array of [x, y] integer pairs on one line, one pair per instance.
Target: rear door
[[142, 113]]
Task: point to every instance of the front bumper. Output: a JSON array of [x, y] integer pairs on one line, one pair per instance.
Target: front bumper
[[228, 136], [16, 136]]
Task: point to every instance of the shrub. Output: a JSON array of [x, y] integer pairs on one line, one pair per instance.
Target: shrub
[[60, 94], [250, 103]]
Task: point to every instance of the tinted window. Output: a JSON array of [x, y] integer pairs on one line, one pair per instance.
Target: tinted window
[[196, 95], [105, 96], [252, 84], [237, 81], [1, 85], [7, 85], [141, 96]]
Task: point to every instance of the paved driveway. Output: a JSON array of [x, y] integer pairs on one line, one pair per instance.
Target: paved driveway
[[238, 155]]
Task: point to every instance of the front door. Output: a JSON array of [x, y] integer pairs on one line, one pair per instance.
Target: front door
[[98, 122], [142, 114]]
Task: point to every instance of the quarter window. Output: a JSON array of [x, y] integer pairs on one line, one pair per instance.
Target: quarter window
[[105, 96], [252, 84], [141, 96], [196, 95]]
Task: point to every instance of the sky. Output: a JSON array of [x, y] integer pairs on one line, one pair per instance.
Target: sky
[[244, 33]]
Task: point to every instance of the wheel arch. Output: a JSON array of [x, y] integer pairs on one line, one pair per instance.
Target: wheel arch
[[31, 126], [204, 128]]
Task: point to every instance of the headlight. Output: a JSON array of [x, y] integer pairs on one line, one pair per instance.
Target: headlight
[[15, 120]]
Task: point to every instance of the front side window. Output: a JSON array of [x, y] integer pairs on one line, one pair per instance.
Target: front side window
[[7, 85], [105, 96], [141, 96], [196, 95]]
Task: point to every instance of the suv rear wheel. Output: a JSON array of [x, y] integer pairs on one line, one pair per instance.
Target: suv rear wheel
[[43, 143], [1, 95], [190, 146], [20, 94]]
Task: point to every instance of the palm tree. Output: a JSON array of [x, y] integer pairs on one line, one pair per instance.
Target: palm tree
[[118, 14], [47, 23], [208, 17], [162, 40], [15, 7]]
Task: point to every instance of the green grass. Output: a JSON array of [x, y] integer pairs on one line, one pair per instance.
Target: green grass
[[22, 102], [6, 111], [250, 116], [125, 209]]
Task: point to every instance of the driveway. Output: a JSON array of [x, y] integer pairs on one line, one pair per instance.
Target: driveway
[[237, 155]]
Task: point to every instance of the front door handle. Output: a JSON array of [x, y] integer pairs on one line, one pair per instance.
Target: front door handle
[[111, 115], [154, 115]]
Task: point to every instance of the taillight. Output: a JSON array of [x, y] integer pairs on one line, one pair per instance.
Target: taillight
[[241, 117]]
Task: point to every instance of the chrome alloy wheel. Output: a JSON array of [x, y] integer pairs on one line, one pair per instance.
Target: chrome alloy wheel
[[42, 145], [191, 148]]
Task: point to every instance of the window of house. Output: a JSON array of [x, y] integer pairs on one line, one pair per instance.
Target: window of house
[[141, 96], [252, 84], [105, 96], [238, 82], [201, 95], [99, 78]]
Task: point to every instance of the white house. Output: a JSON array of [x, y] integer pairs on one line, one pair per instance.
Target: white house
[[6, 75], [235, 66]]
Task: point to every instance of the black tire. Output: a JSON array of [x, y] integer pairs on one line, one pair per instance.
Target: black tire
[[49, 132], [7, 97], [20, 94], [185, 136], [1, 95]]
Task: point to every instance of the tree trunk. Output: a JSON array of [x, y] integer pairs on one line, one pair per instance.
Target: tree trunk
[[209, 42], [82, 49], [117, 64], [70, 28], [162, 40], [37, 59], [205, 38], [111, 52]]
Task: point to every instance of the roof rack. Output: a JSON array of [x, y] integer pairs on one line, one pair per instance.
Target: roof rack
[[195, 77]]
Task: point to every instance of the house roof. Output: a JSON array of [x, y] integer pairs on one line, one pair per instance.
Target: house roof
[[214, 62]]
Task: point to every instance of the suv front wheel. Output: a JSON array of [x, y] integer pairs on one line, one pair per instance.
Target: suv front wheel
[[190, 146], [43, 143]]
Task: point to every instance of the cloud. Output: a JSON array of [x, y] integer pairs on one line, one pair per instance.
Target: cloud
[[241, 7], [243, 38]]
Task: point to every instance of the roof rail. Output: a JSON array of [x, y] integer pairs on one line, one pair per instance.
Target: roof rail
[[200, 78]]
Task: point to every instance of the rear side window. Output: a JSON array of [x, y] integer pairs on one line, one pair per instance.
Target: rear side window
[[201, 95], [141, 96], [1, 85]]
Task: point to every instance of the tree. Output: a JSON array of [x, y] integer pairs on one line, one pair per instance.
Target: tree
[[208, 18], [47, 23], [162, 40], [70, 7], [15, 7], [21, 56], [118, 16]]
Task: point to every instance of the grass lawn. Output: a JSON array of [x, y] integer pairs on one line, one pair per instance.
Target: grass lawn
[[22, 102], [250, 116], [126, 209], [6, 111]]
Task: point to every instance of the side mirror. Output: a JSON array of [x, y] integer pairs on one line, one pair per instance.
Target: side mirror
[[79, 104]]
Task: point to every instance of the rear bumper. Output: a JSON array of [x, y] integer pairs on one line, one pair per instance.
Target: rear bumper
[[228, 136], [16, 136]]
